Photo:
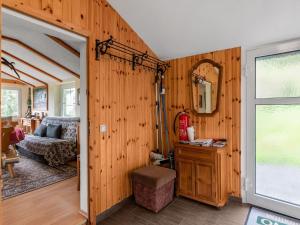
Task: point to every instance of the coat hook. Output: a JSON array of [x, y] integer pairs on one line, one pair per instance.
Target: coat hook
[[139, 60]]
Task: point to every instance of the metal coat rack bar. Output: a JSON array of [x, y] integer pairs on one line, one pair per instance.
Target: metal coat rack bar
[[10, 65], [134, 57]]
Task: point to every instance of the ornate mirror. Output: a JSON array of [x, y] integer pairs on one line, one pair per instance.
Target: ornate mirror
[[205, 84]]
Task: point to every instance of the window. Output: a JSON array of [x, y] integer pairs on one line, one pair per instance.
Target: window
[[10, 102], [277, 75], [69, 101]]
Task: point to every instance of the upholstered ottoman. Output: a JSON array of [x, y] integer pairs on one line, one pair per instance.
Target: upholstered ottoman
[[153, 187]]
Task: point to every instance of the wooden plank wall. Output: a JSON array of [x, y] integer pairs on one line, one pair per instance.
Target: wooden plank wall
[[223, 124], [126, 102], [118, 97], [69, 14]]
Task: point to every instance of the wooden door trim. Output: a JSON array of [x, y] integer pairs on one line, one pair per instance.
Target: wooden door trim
[[50, 19]]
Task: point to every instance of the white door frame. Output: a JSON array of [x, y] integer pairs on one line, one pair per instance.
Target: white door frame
[[55, 31], [251, 196]]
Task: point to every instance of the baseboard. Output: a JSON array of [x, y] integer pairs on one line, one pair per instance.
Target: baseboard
[[113, 209], [83, 214], [235, 199], [83, 223]]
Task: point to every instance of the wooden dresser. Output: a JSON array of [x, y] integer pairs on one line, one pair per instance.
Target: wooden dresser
[[201, 174], [29, 124]]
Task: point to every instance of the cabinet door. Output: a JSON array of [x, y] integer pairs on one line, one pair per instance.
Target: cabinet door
[[186, 184], [205, 181]]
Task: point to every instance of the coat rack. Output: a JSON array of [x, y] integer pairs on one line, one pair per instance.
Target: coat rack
[[124, 53]]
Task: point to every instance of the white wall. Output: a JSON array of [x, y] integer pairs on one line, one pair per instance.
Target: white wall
[[205, 26], [54, 105]]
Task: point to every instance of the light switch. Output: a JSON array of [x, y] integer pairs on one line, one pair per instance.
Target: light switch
[[103, 128]]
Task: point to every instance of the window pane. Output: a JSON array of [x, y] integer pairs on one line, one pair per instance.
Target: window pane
[[69, 102], [278, 75], [278, 152], [10, 102]]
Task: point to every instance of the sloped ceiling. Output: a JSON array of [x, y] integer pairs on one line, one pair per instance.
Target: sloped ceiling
[[15, 32], [176, 28]]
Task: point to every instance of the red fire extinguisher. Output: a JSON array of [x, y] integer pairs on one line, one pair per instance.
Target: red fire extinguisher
[[183, 125]]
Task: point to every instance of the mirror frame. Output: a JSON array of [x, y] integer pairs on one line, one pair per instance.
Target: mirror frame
[[214, 64]]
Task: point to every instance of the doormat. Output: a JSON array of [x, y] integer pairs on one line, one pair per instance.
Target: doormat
[[264, 217]]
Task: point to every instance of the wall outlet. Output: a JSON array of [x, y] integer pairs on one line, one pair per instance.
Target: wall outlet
[[103, 128]]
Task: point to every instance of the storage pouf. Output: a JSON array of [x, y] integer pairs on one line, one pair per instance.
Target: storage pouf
[[153, 187]]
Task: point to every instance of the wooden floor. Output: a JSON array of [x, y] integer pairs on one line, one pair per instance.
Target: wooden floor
[[181, 212], [55, 204]]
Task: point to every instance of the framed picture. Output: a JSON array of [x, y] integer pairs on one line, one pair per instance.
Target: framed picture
[[40, 99]]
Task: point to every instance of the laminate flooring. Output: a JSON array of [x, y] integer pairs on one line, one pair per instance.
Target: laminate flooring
[[57, 204], [181, 211]]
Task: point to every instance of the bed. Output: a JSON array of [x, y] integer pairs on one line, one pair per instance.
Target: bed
[[54, 151]]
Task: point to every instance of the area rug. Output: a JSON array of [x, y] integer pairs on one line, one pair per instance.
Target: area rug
[[32, 175], [264, 217]]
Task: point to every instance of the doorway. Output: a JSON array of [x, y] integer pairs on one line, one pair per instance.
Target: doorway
[[78, 43], [273, 109]]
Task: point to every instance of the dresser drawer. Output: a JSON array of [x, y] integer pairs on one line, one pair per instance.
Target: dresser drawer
[[205, 155]]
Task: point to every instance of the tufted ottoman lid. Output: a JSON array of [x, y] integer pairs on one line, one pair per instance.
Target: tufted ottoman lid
[[154, 176]]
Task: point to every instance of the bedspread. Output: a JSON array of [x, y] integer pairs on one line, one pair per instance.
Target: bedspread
[[55, 151]]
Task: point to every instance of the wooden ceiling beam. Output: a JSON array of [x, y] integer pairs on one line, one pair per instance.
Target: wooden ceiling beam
[[32, 77], [8, 81], [32, 66], [64, 45], [7, 74], [41, 55]]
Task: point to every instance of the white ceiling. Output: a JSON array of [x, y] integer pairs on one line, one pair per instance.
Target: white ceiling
[[177, 28], [36, 38]]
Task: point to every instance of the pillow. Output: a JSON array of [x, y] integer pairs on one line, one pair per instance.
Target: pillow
[[54, 131], [40, 131]]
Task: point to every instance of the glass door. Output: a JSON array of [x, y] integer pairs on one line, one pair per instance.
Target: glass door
[[273, 122]]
